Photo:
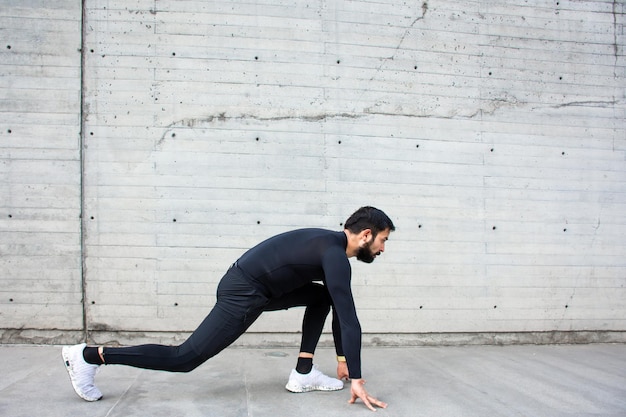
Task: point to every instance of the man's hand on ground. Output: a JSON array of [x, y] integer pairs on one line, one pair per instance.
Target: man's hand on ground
[[358, 391], [342, 371]]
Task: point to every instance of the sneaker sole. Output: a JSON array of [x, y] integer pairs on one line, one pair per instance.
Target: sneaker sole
[[300, 389], [66, 363]]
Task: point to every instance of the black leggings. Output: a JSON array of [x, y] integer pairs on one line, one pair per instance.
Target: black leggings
[[238, 305]]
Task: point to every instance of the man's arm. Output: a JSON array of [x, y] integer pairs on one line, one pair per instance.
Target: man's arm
[[342, 366], [337, 273]]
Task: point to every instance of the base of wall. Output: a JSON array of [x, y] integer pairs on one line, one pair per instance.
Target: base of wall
[[292, 340]]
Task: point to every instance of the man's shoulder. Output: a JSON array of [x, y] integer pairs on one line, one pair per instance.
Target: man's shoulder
[[319, 233], [313, 231]]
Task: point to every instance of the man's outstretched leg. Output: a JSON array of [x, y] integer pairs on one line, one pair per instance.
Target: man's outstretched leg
[[306, 376], [238, 306]]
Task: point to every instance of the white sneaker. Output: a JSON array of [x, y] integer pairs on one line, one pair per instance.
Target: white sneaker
[[82, 374], [313, 381]]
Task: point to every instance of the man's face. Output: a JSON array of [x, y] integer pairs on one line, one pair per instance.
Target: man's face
[[372, 247]]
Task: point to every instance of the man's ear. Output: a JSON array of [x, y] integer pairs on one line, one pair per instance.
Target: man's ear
[[365, 236]]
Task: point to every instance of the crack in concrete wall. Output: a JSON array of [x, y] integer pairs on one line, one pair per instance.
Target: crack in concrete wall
[[406, 32], [491, 107], [603, 104], [615, 44], [223, 117], [402, 39]]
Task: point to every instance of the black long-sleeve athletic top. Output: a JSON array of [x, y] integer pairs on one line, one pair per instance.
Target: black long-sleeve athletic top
[[293, 259]]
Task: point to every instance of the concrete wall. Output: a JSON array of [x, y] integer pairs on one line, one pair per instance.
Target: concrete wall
[[186, 131], [40, 169]]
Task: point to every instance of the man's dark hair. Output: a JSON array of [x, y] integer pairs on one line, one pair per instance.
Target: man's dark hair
[[369, 218]]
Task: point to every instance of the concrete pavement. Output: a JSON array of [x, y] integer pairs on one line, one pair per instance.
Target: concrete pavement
[[528, 380]]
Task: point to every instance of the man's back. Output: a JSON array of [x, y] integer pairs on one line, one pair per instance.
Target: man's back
[[293, 259]]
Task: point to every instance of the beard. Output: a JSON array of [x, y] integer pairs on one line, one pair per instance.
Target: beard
[[365, 254]]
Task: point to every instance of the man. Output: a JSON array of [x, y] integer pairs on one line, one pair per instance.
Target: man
[[279, 273]]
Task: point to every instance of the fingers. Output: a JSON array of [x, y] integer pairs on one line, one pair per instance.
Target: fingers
[[367, 399], [364, 399], [378, 403]]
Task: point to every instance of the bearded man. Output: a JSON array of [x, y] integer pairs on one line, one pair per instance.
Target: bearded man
[[301, 268]]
